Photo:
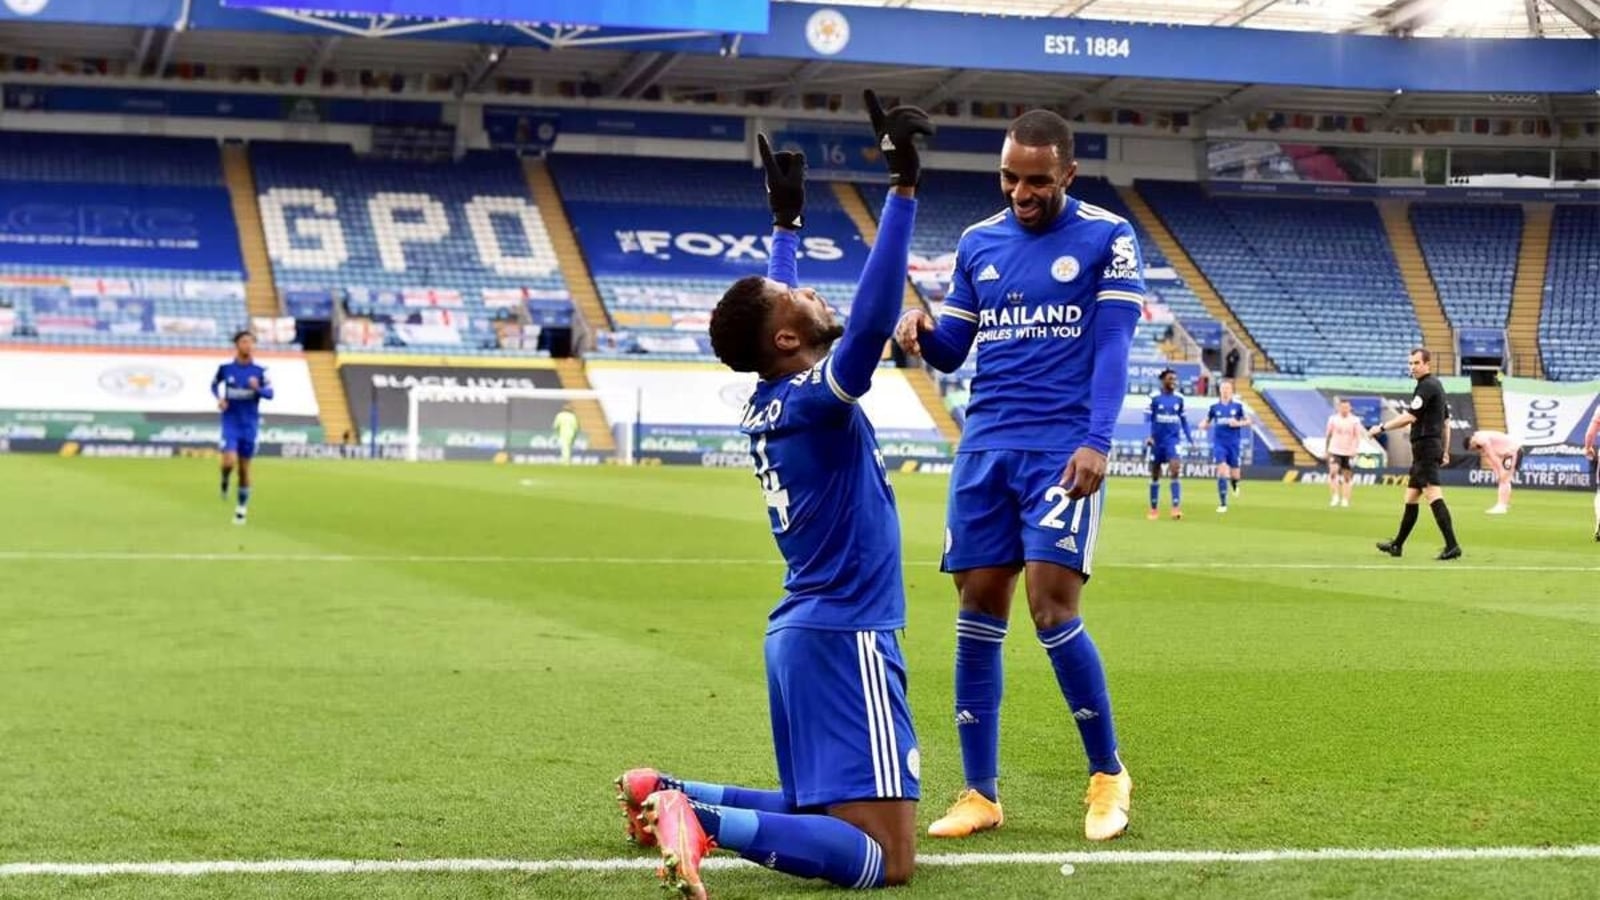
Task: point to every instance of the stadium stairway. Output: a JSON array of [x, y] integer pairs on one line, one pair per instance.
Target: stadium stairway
[[1192, 276], [261, 293], [1436, 332], [1527, 294], [1491, 411], [928, 392], [856, 209], [591, 418], [1269, 417], [573, 266], [333, 408]]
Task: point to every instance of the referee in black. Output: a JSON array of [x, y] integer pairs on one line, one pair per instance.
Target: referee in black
[[1429, 418]]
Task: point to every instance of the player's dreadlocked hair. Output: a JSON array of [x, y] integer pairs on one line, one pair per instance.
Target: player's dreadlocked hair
[[739, 325], [1043, 128]]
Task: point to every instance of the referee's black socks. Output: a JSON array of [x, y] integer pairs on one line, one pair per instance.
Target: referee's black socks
[[1408, 521], [1441, 514]]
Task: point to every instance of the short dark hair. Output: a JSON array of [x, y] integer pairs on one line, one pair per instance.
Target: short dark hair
[[243, 332], [739, 325], [1043, 128], [1422, 352], [1165, 373]]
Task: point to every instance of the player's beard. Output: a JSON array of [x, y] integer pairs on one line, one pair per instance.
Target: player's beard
[[826, 333], [1048, 209]]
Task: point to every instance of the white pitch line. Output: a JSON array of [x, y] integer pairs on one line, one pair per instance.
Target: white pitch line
[[539, 866], [139, 556]]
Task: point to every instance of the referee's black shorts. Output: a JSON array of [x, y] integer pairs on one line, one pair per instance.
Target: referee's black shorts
[[1426, 457]]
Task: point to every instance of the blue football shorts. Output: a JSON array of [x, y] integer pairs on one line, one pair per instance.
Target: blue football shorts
[[840, 721], [1007, 507], [238, 440], [1227, 456]]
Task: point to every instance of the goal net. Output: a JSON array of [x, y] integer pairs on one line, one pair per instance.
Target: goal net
[[509, 419]]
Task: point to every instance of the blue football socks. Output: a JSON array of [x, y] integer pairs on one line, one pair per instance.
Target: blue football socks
[[980, 682], [1083, 683], [813, 846]]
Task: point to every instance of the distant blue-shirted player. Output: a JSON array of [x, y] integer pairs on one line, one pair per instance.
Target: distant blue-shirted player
[[239, 387], [1050, 288], [847, 756], [1228, 423], [1169, 431]]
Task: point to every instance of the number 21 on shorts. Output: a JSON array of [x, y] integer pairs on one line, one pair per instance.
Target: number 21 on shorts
[[1058, 496]]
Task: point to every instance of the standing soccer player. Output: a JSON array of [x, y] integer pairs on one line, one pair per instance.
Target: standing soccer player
[[1501, 449], [566, 426], [1343, 444], [1051, 289], [1167, 422], [1429, 418], [1230, 419], [847, 755], [1589, 451], [239, 387]]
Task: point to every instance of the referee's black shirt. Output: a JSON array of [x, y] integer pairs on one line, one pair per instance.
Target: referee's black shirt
[[1428, 405]]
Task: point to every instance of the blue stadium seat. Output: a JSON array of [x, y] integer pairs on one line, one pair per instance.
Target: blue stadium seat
[[112, 305], [1471, 252], [1570, 319], [1314, 282], [437, 255]]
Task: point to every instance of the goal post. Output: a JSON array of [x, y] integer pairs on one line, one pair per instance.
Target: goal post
[[620, 408]]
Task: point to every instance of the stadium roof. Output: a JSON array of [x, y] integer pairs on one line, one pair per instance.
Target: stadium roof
[[1422, 18], [620, 73]]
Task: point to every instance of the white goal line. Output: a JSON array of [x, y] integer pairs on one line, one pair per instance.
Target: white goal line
[[617, 864]]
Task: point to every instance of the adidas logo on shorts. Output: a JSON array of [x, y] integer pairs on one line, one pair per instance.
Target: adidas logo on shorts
[[1068, 543]]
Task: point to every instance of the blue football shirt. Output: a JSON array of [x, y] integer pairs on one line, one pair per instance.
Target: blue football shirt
[[1223, 434], [232, 382], [1033, 298], [1167, 424]]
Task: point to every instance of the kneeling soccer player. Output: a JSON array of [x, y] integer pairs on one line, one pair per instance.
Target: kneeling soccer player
[[847, 755]]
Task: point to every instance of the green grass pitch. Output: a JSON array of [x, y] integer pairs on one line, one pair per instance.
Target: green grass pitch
[[341, 692]]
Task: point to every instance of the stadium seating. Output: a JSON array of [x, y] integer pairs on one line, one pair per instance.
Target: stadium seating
[[1471, 251], [431, 258], [116, 305], [1570, 319], [110, 159], [660, 308], [602, 178], [1315, 283]]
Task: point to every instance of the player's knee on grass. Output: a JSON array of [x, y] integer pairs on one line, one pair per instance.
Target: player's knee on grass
[[987, 590], [893, 825]]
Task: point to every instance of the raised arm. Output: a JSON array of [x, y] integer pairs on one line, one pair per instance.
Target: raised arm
[[882, 286], [786, 195]]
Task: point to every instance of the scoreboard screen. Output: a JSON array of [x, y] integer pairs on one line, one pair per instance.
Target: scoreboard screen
[[737, 16]]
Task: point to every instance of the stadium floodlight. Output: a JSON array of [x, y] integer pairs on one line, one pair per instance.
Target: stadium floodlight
[[622, 410]]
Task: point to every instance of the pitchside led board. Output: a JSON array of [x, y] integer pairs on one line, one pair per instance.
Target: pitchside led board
[[728, 16]]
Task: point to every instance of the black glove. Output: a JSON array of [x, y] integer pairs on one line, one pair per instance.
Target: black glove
[[786, 183], [896, 131]]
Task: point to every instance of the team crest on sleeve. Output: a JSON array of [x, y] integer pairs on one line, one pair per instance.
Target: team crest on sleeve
[[1064, 269], [1124, 258], [1416, 402]]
